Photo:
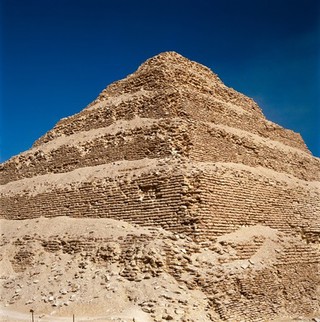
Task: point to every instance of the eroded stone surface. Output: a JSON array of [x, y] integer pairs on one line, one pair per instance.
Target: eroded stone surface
[[169, 147]]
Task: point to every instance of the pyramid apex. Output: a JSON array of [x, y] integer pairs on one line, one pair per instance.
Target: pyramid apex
[[167, 56], [172, 59]]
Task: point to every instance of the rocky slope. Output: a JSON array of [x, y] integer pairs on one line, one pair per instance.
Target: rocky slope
[[111, 269]]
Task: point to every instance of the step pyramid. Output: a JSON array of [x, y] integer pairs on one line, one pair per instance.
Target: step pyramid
[[171, 146]]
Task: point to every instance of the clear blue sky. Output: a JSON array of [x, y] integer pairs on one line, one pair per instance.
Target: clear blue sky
[[57, 55]]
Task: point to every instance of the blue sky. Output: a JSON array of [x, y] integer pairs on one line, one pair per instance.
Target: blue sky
[[57, 55]]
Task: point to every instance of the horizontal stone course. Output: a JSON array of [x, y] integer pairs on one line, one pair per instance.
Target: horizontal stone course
[[173, 103], [199, 141], [201, 203]]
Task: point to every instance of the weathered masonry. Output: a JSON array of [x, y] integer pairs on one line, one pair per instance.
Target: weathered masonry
[[171, 146]]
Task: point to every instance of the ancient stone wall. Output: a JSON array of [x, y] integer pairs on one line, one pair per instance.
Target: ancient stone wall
[[199, 141], [229, 202], [156, 141], [159, 200], [204, 204], [175, 103], [170, 71], [215, 143]]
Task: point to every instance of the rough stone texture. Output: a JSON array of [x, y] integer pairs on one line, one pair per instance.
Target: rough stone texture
[[171, 146], [255, 273]]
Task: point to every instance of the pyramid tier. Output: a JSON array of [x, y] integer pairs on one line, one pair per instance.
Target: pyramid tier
[[169, 71], [200, 199], [160, 138], [187, 105], [171, 86]]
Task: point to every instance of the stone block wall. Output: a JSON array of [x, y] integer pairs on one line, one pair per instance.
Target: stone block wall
[[155, 141], [160, 200], [164, 138], [201, 203], [214, 143], [228, 202], [228, 113], [169, 104]]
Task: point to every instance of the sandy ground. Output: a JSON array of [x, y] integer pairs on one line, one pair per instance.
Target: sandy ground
[[109, 270], [8, 315], [59, 283]]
